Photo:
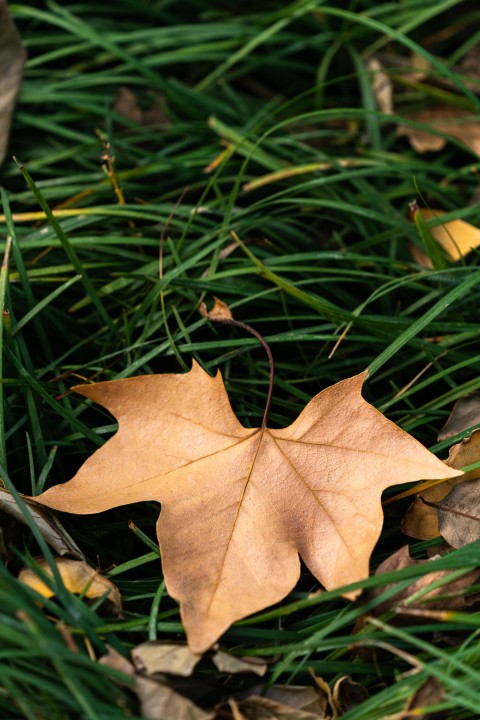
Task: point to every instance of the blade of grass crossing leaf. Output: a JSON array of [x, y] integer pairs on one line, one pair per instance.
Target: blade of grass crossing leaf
[[3, 289], [469, 694], [46, 552], [422, 322], [68, 247], [368, 98], [433, 249]]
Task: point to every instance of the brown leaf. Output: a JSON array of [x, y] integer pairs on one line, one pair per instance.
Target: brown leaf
[[301, 697], [421, 520], [51, 528], [77, 576], [347, 694], [428, 694], [230, 664], [465, 413], [459, 124], [157, 657], [157, 700], [12, 59], [382, 85], [220, 311], [257, 707], [126, 104], [459, 514], [449, 596], [239, 505]]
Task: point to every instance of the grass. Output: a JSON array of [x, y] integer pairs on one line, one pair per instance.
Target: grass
[[315, 183]]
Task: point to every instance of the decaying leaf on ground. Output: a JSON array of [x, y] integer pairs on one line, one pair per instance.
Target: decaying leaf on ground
[[77, 576], [159, 657], [258, 707], [382, 85], [465, 414], [459, 514], [50, 527], [231, 664], [456, 237], [447, 120], [420, 594], [240, 505], [421, 520], [157, 700], [346, 695], [12, 59], [429, 694], [126, 104]]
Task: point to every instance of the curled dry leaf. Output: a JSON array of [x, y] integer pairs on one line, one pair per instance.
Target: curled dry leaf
[[421, 520], [50, 527], [12, 59], [239, 504], [78, 577], [449, 596], [347, 694], [453, 122], [158, 701], [157, 657], [219, 313]]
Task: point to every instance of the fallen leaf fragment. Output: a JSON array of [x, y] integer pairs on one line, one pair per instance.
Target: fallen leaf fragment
[[239, 505], [220, 311], [157, 657], [77, 576], [421, 520], [428, 694], [50, 527], [347, 694], [230, 664], [453, 122], [257, 707], [157, 700], [456, 237], [126, 104], [448, 596], [382, 85], [465, 413], [12, 59], [459, 514]]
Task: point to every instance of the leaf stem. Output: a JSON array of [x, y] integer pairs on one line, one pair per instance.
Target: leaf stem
[[260, 338]]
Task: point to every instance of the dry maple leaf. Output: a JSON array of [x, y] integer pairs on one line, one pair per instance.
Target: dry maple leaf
[[239, 505]]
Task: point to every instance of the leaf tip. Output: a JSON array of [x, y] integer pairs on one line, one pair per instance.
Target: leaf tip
[[219, 313]]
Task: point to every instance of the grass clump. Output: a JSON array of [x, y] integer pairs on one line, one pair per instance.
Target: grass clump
[[261, 123]]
